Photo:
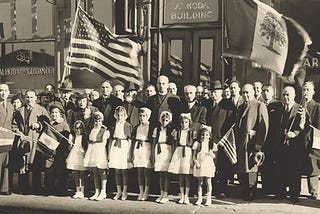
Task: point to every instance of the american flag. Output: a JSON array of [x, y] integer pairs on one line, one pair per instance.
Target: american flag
[[229, 145], [94, 48]]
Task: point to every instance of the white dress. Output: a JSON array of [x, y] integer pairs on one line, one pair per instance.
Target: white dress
[[96, 155], [142, 152], [162, 159], [119, 154], [75, 158], [180, 164], [207, 166]]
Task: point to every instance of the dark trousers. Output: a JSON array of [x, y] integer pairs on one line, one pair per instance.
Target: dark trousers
[[4, 172], [248, 182], [223, 174]]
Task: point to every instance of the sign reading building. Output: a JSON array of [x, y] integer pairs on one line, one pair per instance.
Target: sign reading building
[[190, 11]]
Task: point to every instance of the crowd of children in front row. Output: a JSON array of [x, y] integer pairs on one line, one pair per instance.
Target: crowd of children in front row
[[163, 149]]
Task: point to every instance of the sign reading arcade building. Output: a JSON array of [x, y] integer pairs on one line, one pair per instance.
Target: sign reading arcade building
[[190, 11]]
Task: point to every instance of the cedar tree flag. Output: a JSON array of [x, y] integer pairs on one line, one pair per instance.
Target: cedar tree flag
[[258, 32], [94, 48]]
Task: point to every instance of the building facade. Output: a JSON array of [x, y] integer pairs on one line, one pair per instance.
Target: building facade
[[181, 38]]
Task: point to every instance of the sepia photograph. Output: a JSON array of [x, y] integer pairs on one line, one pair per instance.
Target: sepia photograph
[[159, 106]]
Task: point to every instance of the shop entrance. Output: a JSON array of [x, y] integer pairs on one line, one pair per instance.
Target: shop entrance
[[192, 56]]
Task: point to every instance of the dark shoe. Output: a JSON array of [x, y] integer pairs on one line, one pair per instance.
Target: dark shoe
[[294, 199], [314, 197], [5, 193], [250, 197], [280, 197], [221, 196]]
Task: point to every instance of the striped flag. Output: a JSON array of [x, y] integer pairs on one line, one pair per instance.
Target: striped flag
[[229, 145], [258, 32], [94, 48], [47, 142], [6, 139]]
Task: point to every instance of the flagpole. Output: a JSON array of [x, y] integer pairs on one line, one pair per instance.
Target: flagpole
[[61, 135], [69, 48], [222, 42]]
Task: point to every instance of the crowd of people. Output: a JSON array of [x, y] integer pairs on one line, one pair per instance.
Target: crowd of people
[[166, 134]]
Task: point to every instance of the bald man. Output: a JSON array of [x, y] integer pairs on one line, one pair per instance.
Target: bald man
[[290, 147], [164, 101], [6, 117], [250, 130]]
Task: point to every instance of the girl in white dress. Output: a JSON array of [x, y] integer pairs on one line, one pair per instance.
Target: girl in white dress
[[162, 153], [204, 167], [181, 162], [142, 152], [120, 151], [76, 156], [96, 156]]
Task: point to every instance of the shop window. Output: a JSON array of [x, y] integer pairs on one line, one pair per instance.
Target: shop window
[[206, 61], [175, 61], [126, 17]]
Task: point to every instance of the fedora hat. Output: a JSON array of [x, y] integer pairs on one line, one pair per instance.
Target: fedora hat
[[130, 86], [65, 87], [216, 85]]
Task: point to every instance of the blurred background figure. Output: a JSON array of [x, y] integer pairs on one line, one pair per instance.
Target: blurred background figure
[[94, 95], [150, 90], [172, 88], [199, 93], [118, 91], [258, 91], [226, 92]]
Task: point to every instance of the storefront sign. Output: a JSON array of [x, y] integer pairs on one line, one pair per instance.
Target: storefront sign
[[311, 62], [27, 71], [190, 11]]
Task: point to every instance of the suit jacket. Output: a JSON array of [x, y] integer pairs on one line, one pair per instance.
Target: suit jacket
[[220, 118], [133, 111], [6, 119], [312, 118], [251, 130], [275, 110], [107, 107], [198, 116], [24, 126], [169, 103]]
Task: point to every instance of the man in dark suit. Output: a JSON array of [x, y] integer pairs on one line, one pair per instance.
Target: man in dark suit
[[6, 117], [290, 146], [198, 112], [219, 117], [107, 103], [235, 89], [164, 101], [270, 147], [312, 165], [132, 104], [250, 131]]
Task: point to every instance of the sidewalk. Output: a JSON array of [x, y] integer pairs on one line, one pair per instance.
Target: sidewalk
[[52, 204]]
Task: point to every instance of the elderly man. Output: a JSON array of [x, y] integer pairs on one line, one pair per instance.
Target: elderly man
[[164, 101], [107, 103], [198, 112], [291, 150], [28, 122], [258, 91], [250, 131], [118, 91], [312, 165], [6, 117]]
